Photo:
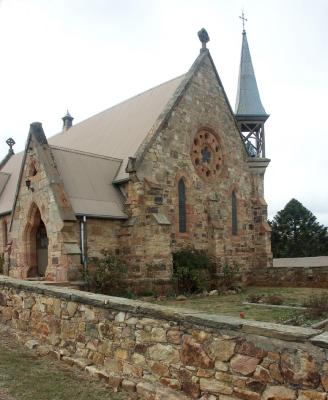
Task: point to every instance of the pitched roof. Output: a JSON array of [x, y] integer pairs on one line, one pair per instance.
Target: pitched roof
[[112, 136], [248, 101], [87, 180], [7, 194], [119, 131]]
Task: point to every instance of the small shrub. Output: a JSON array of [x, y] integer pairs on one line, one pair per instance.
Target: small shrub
[[273, 299], [107, 274], [317, 304], [192, 269], [2, 263], [230, 273]]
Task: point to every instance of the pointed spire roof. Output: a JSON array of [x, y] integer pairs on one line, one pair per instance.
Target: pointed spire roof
[[248, 100]]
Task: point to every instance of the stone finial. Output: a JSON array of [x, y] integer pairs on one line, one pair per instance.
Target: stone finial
[[203, 37], [37, 131], [10, 142], [67, 121]]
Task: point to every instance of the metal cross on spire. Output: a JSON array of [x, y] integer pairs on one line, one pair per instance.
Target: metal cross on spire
[[242, 17]]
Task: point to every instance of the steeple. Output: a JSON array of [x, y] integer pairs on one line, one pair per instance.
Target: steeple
[[249, 112], [67, 121]]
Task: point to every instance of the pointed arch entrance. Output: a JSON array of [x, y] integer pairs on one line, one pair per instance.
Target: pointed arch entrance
[[36, 244]]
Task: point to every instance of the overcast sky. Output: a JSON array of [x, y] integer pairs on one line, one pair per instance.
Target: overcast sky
[[87, 55]]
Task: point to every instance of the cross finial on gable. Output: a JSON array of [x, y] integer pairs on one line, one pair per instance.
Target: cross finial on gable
[[242, 17], [204, 38], [10, 142]]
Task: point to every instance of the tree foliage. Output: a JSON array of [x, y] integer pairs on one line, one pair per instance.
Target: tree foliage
[[296, 233]]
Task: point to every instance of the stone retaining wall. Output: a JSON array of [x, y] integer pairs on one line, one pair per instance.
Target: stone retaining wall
[[291, 277], [158, 352]]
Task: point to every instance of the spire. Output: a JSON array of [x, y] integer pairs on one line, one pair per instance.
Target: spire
[[248, 100], [67, 121]]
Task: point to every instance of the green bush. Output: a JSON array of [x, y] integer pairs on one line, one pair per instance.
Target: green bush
[[230, 274], [2, 262], [107, 275], [192, 270]]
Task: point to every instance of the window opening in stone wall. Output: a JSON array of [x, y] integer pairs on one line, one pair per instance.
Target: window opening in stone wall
[[182, 206], [234, 213]]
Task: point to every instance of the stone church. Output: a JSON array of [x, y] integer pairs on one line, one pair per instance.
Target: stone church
[[170, 168]]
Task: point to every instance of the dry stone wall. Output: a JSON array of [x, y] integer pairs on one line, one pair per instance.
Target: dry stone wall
[[158, 352], [316, 277]]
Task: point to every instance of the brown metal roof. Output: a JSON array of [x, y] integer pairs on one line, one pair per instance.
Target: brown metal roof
[[112, 136], [119, 130], [11, 168], [88, 182]]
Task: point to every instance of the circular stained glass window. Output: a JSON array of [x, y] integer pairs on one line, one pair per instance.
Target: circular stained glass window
[[206, 154]]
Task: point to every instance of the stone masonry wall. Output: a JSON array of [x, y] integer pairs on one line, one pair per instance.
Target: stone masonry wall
[[163, 353], [169, 157], [45, 200], [291, 277]]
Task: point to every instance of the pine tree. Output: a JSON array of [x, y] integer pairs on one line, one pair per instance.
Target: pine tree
[[296, 233]]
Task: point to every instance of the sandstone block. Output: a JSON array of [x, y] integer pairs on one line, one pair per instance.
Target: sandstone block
[[221, 366], [121, 354], [161, 352], [246, 394], [214, 386], [190, 384], [244, 365], [130, 370], [311, 395], [279, 393], [159, 369], [128, 386], [276, 373], [32, 344], [71, 308], [146, 390], [114, 382], [300, 368], [28, 302], [172, 383], [174, 336], [262, 374], [222, 349], [158, 335], [194, 354], [249, 349]]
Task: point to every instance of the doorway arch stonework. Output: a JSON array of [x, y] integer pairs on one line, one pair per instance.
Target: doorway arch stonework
[[35, 240]]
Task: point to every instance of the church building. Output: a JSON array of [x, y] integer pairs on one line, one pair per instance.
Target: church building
[[171, 168]]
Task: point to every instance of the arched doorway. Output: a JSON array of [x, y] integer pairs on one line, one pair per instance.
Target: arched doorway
[[36, 244], [41, 249]]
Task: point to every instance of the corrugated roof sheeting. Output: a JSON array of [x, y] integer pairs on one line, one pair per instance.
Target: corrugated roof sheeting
[[87, 180], [119, 131]]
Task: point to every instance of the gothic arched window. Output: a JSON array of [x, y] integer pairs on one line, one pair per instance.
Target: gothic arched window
[[182, 206], [234, 220]]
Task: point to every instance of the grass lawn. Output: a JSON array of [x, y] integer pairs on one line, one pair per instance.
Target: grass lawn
[[231, 304], [23, 375]]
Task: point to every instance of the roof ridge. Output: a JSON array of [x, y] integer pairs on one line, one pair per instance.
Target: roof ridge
[[121, 102], [87, 153]]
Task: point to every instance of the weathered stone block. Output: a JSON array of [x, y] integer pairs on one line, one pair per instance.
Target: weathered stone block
[[194, 354], [244, 365]]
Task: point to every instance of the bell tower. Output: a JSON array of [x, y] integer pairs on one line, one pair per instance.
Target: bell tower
[[249, 111]]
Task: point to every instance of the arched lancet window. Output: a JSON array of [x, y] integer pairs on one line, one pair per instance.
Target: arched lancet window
[[182, 206], [234, 220]]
